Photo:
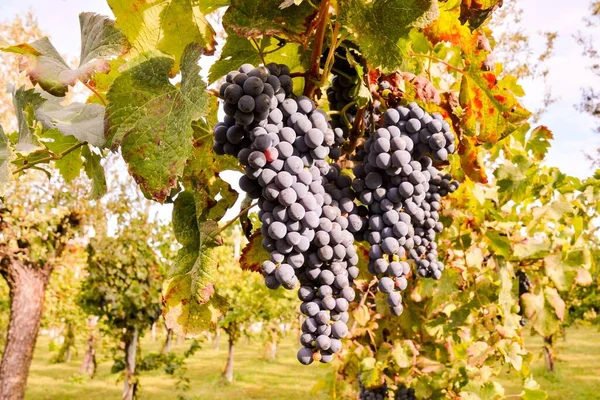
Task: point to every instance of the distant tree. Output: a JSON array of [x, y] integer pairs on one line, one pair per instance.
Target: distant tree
[[123, 287]]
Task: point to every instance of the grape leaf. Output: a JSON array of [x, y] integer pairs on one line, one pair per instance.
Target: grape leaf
[[208, 6], [71, 163], [545, 310], [539, 142], [252, 18], [46, 67], [491, 112], [4, 156], [237, 51], [25, 102], [165, 25], [83, 121], [151, 119], [95, 172], [188, 292], [253, 253], [379, 27]]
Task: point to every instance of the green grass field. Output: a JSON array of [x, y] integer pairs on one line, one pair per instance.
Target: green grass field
[[577, 375]]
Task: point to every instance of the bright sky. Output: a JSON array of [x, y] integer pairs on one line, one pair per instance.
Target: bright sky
[[572, 130]]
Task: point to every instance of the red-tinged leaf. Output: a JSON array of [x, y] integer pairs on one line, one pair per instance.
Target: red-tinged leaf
[[476, 12], [471, 160], [253, 254], [491, 112], [448, 29], [539, 142]]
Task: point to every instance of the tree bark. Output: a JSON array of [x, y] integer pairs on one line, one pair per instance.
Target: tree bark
[[168, 342], [89, 365], [27, 284], [228, 372], [130, 358]]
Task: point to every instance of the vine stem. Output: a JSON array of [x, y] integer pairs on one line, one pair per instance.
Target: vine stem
[[50, 157], [331, 54], [234, 219], [313, 72], [462, 71], [87, 85]]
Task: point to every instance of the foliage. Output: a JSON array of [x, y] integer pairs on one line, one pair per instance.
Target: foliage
[[249, 301], [512, 212], [123, 278]]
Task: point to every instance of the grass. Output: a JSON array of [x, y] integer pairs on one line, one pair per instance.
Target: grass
[[577, 375]]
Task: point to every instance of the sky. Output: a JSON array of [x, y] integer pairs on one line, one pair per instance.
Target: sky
[[574, 134]]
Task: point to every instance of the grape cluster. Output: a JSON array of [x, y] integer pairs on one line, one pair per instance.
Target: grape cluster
[[430, 135], [524, 287], [251, 96], [404, 393], [380, 393], [402, 190], [304, 228]]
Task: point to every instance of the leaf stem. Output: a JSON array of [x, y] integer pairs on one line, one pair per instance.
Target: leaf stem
[[313, 72], [87, 85], [260, 53], [51, 157], [462, 71], [331, 55]]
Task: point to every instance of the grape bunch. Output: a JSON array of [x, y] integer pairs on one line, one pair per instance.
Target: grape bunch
[[304, 229], [404, 393], [251, 96], [430, 135], [402, 190], [524, 287], [380, 393]]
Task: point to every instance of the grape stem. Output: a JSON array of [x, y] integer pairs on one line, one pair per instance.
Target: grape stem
[[51, 157], [87, 85], [234, 219], [313, 72]]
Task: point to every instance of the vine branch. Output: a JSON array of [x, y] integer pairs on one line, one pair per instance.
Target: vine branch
[[242, 212], [313, 72], [52, 157], [87, 85]]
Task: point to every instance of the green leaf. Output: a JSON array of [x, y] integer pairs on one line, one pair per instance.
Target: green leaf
[[83, 121], [188, 292], [4, 156], [253, 253], [252, 18], [545, 309], [539, 142], [168, 26], [499, 243], [185, 225], [25, 102], [70, 164], [99, 38], [208, 6], [151, 119], [532, 390], [237, 51], [380, 26], [370, 373], [530, 249], [95, 172]]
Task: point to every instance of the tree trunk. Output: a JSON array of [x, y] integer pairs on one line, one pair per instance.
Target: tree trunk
[[228, 373], [217, 338], [89, 365], [130, 356], [548, 354], [153, 332], [27, 284], [64, 354], [168, 342]]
